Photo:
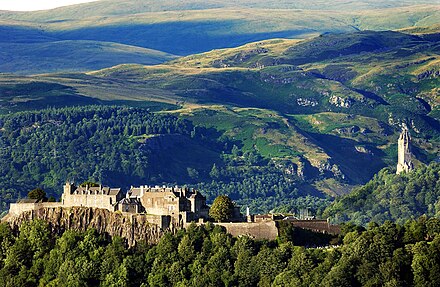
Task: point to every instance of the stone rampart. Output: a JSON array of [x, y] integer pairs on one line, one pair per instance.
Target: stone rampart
[[321, 226], [16, 209], [257, 230]]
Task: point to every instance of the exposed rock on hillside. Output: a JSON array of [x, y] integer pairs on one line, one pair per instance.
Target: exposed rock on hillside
[[326, 167], [348, 130], [341, 102], [362, 149], [306, 102], [132, 228], [429, 74]]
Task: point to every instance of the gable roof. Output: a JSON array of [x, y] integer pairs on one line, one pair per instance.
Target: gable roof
[[29, 200], [105, 190]]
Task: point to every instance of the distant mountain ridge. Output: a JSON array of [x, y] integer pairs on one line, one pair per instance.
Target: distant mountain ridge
[[185, 28], [128, 7]]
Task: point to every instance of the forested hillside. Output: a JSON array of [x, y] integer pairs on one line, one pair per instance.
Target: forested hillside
[[312, 110], [341, 107], [275, 124], [121, 146], [391, 197], [387, 255]]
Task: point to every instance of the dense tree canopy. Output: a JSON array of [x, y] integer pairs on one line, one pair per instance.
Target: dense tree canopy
[[382, 255], [121, 146], [389, 196], [37, 193]]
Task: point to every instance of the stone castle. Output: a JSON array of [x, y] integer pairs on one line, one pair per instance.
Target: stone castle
[[145, 213], [164, 205], [404, 162], [174, 207]]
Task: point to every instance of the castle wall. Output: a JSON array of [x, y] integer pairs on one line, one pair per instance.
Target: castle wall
[[90, 200], [18, 208], [163, 221], [128, 208], [258, 230], [321, 226], [165, 203]]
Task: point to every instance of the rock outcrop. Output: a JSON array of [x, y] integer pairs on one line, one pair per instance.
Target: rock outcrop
[[341, 102], [133, 228]]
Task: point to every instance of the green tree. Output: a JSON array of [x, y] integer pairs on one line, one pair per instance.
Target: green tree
[[192, 173], [89, 184], [222, 208], [214, 173], [37, 193]]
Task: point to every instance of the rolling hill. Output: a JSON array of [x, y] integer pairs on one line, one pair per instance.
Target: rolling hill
[[185, 28], [302, 102], [110, 8], [386, 75], [81, 55], [317, 108]]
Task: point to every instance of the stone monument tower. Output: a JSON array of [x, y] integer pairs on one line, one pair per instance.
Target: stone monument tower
[[404, 162]]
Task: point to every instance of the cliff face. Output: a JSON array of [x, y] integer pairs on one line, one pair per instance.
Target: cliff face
[[133, 228]]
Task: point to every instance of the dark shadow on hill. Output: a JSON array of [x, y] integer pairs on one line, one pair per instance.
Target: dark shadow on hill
[[372, 96], [332, 45], [425, 104], [38, 95], [433, 123], [359, 167], [342, 80], [179, 159], [233, 96], [21, 34], [179, 38], [59, 101], [434, 37]]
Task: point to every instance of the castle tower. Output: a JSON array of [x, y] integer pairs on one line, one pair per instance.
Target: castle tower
[[404, 162], [68, 187]]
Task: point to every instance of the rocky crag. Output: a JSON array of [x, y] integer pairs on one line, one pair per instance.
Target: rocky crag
[[133, 228]]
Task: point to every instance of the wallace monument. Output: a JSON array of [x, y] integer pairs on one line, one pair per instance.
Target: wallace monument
[[404, 162]]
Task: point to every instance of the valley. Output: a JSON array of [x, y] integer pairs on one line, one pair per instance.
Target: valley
[[306, 95], [320, 107], [220, 143]]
